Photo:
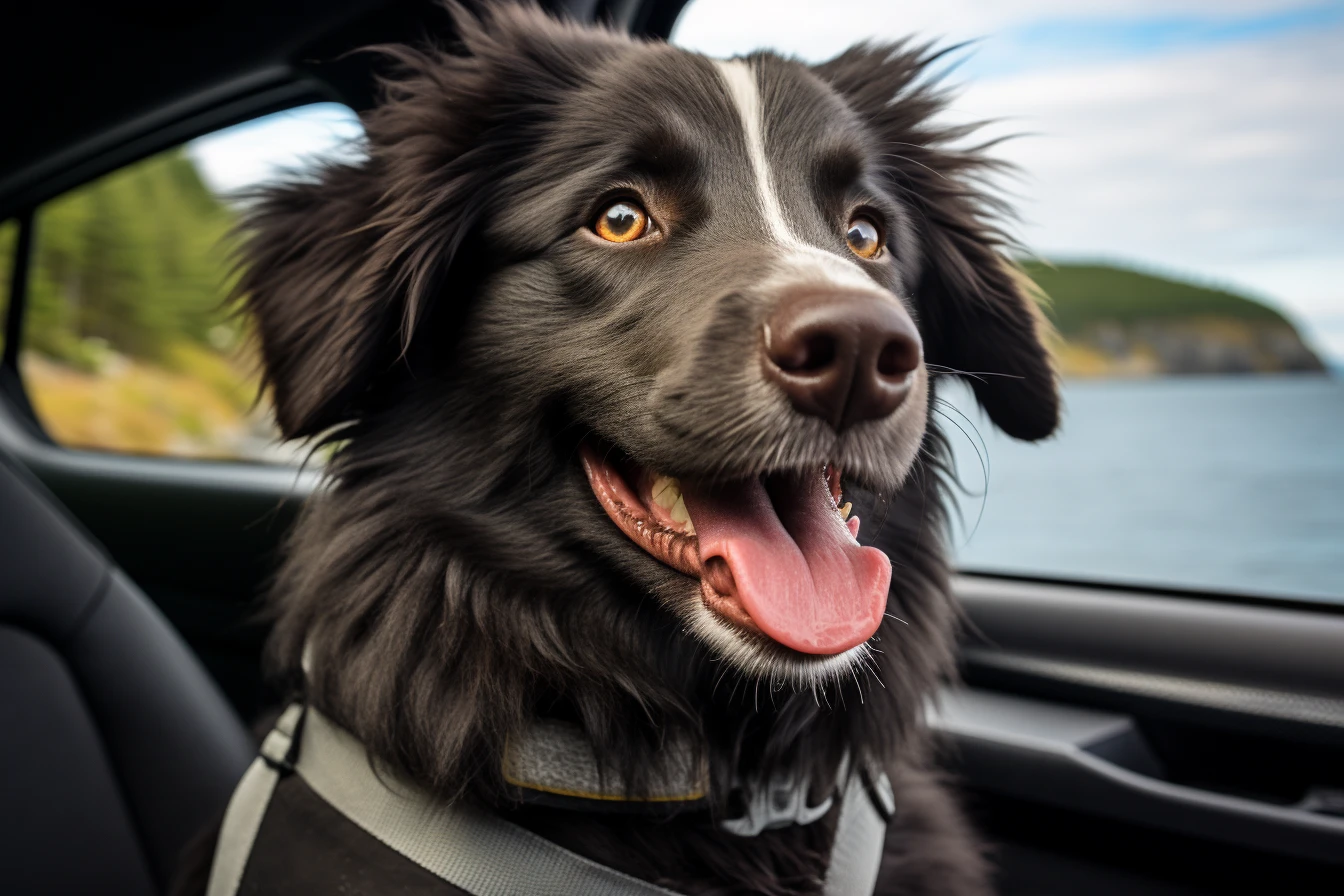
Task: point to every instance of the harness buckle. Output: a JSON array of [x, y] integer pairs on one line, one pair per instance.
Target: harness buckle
[[280, 749]]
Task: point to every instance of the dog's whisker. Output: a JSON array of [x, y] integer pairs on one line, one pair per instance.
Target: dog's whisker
[[901, 158], [942, 406], [857, 685], [984, 468], [974, 374]]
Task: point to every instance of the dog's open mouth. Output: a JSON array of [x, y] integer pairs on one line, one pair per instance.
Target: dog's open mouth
[[775, 555]]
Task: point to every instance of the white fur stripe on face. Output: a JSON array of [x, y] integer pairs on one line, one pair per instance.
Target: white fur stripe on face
[[740, 83]]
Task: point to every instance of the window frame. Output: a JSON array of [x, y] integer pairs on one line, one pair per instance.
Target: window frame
[[18, 287]]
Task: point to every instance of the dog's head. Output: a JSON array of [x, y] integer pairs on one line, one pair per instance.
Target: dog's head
[[654, 309]]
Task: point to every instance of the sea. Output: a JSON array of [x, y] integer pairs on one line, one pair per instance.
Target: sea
[[1229, 484]]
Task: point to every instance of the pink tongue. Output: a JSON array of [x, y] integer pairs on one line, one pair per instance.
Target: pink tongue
[[800, 575]]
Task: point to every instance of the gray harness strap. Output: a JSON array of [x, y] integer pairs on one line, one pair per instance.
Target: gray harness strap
[[860, 835], [473, 850]]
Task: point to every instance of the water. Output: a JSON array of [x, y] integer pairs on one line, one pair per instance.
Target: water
[[1231, 484]]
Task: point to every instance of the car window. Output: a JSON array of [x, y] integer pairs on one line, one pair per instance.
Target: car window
[[128, 343], [1181, 192]]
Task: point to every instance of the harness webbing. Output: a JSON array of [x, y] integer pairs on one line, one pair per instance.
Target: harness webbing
[[471, 849]]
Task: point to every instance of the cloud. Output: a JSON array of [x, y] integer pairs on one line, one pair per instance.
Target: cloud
[[1220, 157]]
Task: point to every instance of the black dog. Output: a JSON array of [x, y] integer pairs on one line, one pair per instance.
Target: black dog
[[610, 337]]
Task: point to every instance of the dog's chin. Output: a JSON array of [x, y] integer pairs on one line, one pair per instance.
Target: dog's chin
[[776, 581], [759, 657]]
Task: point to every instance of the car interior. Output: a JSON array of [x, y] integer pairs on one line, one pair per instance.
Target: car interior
[[1106, 738]]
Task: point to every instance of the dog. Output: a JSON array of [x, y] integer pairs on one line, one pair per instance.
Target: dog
[[615, 345]]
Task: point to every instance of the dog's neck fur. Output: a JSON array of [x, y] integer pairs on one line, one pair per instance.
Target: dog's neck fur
[[438, 628]]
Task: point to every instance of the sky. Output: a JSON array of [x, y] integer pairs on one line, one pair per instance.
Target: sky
[[266, 148], [1199, 139]]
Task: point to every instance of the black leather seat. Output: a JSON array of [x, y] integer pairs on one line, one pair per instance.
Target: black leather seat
[[116, 747]]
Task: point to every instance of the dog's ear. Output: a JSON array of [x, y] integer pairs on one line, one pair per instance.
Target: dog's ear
[[339, 270], [976, 310], [311, 283]]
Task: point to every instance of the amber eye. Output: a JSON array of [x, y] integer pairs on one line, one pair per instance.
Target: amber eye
[[622, 222], [863, 237]]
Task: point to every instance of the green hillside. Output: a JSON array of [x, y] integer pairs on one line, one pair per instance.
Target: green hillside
[[1115, 321], [1082, 294]]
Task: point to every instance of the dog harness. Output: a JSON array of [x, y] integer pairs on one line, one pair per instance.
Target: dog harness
[[315, 813]]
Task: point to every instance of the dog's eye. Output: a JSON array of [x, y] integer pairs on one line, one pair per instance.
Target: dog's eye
[[622, 222], [863, 237]]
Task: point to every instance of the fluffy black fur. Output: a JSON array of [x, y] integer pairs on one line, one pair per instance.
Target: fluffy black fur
[[440, 312]]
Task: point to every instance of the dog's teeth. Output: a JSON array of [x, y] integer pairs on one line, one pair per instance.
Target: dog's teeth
[[844, 511], [681, 516], [666, 492], [678, 511]]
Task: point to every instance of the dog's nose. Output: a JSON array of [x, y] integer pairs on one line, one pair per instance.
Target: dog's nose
[[845, 357]]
